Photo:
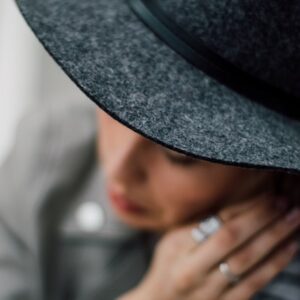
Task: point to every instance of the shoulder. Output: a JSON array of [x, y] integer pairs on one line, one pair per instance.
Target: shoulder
[[49, 130], [53, 143]]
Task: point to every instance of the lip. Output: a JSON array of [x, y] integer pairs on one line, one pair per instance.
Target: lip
[[122, 202]]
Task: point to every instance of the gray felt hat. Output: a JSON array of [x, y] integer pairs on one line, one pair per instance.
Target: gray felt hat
[[214, 79]]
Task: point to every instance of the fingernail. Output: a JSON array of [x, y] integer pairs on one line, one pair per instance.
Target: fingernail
[[293, 216]]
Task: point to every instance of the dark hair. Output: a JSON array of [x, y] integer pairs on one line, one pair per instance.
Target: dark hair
[[286, 184]]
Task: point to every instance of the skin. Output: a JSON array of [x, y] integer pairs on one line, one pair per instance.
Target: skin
[[176, 197], [171, 193]]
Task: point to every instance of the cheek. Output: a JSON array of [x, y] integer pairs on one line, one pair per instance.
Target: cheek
[[182, 197]]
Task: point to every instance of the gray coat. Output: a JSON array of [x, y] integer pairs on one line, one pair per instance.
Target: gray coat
[[59, 237]]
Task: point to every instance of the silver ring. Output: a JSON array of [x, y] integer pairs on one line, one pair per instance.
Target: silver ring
[[210, 225], [198, 235], [206, 228], [225, 270]]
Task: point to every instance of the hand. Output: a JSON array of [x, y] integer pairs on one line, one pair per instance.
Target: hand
[[181, 269]]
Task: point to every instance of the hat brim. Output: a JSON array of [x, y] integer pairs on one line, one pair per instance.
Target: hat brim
[[137, 79]]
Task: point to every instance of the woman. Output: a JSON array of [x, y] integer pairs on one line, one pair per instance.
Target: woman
[[172, 192], [174, 92]]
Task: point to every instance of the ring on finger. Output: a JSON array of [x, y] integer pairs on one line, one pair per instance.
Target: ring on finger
[[230, 276], [206, 228]]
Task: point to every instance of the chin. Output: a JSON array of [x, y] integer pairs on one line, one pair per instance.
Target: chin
[[141, 224]]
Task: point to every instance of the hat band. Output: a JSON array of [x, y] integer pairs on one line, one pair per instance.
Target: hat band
[[211, 63]]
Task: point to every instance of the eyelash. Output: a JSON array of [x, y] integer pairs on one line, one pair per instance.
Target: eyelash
[[186, 162]]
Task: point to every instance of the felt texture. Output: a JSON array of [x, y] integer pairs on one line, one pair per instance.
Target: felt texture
[[135, 77], [260, 37]]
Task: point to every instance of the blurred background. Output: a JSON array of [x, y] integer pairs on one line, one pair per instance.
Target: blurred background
[[27, 74]]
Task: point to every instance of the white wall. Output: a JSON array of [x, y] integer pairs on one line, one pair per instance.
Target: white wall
[[27, 73], [19, 68]]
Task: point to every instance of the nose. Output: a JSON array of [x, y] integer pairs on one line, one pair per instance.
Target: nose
[[131, 159]]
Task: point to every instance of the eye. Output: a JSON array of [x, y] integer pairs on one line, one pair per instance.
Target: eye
[[181, 159]]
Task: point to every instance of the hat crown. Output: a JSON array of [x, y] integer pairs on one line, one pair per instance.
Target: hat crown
[[260, 37]]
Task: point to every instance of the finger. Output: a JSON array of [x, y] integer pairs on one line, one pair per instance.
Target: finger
[[228, 238], [253, 198], [248, 257], [259, 278]]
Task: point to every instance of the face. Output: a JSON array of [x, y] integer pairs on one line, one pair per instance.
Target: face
[[168, 187]]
